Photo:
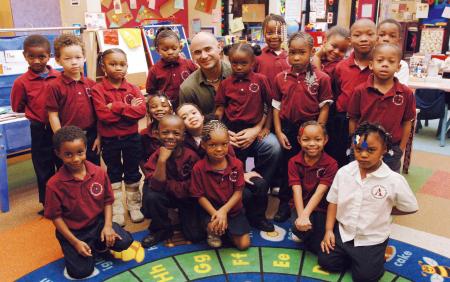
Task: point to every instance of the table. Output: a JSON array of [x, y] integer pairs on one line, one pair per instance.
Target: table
[[442, 84], [14, 136]]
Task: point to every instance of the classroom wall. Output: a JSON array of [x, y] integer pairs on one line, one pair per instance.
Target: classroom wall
[[72, 14], [344, 11], [206, 19], [25, 14], [6, 19]]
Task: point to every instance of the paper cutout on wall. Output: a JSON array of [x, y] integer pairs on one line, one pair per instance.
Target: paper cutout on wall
[[205, 6], [131, 36], [422, 10], [111, 37], [145, 14], [168, 9], [179, 4], [196, 25], [152, 4], [133, 4], [236, 25], [94, 20], [117, 7], [254, 13], [216, 15], [118, 20], [106, 3]]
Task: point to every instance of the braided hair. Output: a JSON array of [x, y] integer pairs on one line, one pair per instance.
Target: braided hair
[[281, 24], [251, 49], [101, 55], [310, 77], [365, 128], [212, 126]]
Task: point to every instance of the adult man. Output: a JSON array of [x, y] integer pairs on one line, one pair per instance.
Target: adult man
[[200, 88]]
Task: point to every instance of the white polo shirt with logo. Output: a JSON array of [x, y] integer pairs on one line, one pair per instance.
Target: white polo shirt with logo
[[364, 206]]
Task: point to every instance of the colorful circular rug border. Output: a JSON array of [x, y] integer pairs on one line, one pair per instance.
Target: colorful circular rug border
[[272, 257]]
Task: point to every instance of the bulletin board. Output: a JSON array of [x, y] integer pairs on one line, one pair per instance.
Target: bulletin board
[[149, 38], [143, 12]]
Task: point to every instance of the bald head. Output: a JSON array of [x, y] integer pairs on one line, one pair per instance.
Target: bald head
[[205, 50], [363, 23]]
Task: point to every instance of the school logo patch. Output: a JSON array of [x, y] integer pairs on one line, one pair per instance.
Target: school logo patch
[[233, 176], [128, 98], [254, 87], [320, 172], [96, 189], [378, 192], [88, 92], [313, 88], [398, 100], [185, 74], [187, 169]]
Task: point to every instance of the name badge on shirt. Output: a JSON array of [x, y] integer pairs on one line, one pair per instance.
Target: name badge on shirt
[[378, 192]]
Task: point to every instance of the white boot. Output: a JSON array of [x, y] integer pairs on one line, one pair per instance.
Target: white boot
[[134, 202], [118, 209]]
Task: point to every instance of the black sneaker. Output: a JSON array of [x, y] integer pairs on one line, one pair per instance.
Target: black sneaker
[[155, 238], [263, 225], [283, 213]]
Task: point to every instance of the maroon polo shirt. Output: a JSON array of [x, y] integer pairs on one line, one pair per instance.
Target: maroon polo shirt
[[122, 119], [389, 110], [270, 64], [347, 76], [190, 143], [167, 77], [329, 67], [72, 100], [301, 102], [78, 201], [178, 173], [309, 177], [150, 143], [29, 94], [245, 99], [218, 186]]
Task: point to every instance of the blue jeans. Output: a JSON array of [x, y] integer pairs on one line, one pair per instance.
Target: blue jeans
[[266, 152]]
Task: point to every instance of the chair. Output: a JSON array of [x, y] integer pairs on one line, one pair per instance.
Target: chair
[[432, 105]]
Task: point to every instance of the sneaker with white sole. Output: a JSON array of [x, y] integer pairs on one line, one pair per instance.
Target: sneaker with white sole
[[214, 241]]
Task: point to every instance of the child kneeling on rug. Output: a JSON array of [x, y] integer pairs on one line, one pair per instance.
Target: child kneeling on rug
[[79, 201], [218, 182], [362, 198]]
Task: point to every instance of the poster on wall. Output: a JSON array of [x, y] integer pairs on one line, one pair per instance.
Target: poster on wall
[[431, 40], [130, 41], [144, 12], [293, 11], [149, 36]]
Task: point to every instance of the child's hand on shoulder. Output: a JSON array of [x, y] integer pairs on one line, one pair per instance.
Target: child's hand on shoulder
[[109, 235], [303, 223], [328, 241], [83, 248], [164, 153], [136, 101]]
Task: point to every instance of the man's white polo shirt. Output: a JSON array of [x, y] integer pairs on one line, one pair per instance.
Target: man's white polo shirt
[[364, 206]]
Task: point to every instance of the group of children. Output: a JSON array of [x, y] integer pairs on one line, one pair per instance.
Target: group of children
[[322, 108]]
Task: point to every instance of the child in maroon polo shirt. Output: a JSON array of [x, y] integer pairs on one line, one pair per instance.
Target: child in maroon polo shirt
[[311, 173], [78, 201], [348, 74], [171, 70], [158, 106], [385, 101], [218, 182], [119, 106], [69, 101], [243, 102], [169, 178], [302, 94], [29, 94], [333, 50]]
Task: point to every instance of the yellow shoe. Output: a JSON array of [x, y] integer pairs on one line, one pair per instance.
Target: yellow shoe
[[135, 251]]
